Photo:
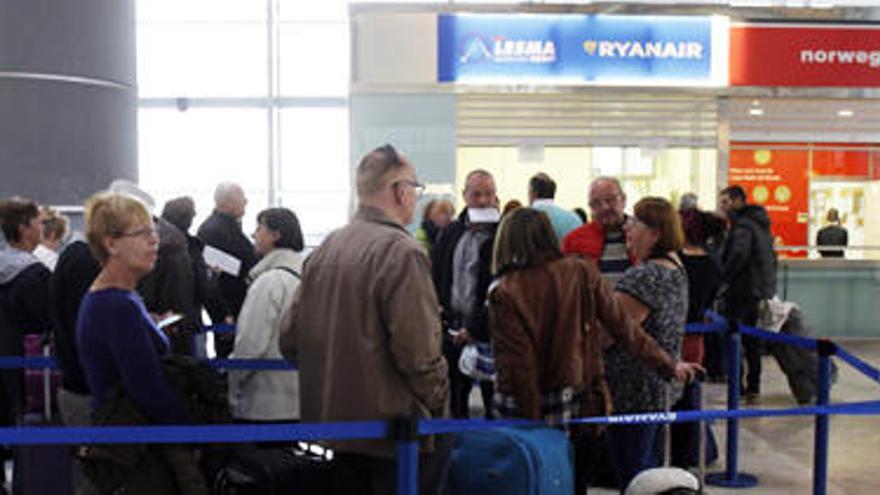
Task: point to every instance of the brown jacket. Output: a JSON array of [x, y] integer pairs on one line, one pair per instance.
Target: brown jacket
[[364, 328], [543, 323]]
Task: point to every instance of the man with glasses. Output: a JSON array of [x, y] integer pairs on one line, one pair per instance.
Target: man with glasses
[[603, 240], [461, 265], [364, 328]]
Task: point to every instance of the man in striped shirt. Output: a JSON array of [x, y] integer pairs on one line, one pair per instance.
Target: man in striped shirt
[[603, 240]]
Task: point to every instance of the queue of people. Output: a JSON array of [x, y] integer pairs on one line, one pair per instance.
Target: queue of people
[[577, 319]]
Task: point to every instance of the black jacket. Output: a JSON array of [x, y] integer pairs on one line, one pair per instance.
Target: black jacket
[[748, 257], [74, 273], [24, 299], [224, 233], [441, 270], [832, 235], [171, 286]]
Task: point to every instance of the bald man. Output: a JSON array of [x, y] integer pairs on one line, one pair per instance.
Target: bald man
[[603, 240], [364, 328], [222, 230]]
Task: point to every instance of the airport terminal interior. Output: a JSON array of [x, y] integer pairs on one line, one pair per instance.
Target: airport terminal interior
[[284, 97]]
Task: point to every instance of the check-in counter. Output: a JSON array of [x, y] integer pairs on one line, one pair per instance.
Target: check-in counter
[[840, 297]]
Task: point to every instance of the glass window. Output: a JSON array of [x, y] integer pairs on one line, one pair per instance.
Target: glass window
[[314, 59], [314, 154], [324, 10], [190, 152], [193, 60], [319, 212], [201, 10]]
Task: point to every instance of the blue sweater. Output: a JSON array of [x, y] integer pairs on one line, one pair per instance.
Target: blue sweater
[[118, 342]]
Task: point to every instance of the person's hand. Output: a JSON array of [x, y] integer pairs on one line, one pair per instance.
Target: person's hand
[[686, 372], [461, 337]]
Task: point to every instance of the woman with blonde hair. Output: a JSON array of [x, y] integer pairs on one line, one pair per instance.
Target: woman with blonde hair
[[545, 314], [119, 343]]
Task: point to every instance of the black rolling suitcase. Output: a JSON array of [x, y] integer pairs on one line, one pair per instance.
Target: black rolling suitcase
[[268, 470], [799, 365]]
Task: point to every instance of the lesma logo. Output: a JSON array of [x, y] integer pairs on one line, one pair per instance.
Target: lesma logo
[[644, 49], [506, 50], [860, 57]]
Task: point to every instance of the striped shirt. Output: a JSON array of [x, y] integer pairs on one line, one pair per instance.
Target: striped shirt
[[615, 259]]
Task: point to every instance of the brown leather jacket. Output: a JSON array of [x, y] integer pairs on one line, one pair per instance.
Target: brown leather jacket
[[364, 328], [543, 323]]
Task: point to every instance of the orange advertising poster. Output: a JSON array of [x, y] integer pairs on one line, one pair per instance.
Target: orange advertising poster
[[777, 179]]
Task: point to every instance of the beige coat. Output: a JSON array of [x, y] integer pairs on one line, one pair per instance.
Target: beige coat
[[364, 328]]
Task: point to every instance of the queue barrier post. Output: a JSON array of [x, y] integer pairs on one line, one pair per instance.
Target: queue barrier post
[[825, 349], [404, 430], [731, 477]]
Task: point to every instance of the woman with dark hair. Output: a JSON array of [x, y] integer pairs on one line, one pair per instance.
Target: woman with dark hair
[[256, 395], [654, 294], [704, 278], [545, 312]]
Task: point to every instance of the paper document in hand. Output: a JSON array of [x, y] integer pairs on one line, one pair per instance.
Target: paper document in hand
[[216, 258]]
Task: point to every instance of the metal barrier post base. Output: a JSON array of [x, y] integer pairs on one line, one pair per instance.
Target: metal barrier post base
[[738, 480]]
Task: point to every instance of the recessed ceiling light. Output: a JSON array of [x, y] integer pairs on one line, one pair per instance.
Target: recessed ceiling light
[[845, 113], [756, 111]]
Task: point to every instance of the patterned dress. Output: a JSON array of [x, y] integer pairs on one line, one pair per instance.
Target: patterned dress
[[634, 387]]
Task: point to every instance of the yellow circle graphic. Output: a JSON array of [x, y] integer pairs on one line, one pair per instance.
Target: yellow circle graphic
[[763, 157], [782, 194], [760, 194]]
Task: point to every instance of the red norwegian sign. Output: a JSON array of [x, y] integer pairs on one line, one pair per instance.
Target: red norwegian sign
[[805, 55]]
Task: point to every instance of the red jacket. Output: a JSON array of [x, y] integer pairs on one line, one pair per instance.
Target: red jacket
[[587, 241]]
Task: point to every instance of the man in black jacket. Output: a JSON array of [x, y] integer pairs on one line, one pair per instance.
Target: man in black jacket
[[461, 268], [222, 230], [749, 263]]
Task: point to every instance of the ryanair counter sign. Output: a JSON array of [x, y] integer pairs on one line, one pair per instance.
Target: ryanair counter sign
[[582, 49]]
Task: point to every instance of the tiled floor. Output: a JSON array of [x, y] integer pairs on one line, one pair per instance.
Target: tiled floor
[[779, 451]]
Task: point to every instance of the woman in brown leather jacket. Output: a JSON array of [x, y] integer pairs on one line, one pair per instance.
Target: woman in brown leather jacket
[[546, 312]]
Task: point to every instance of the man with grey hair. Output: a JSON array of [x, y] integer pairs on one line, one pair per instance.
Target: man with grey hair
[[603, 240], [364, 329], [222, 230], [462, 271]]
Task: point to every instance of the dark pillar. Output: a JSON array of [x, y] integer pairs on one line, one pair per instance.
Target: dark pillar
[[68, 100]]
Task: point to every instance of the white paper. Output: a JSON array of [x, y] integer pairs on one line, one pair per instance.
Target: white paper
[[216, 258], [483, 215], [169, 321]]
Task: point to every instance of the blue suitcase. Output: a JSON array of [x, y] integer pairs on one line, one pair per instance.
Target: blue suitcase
[[511, 461]]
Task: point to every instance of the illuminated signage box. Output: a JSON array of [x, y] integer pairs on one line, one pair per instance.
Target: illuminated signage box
[[817, 55], [582, 50]]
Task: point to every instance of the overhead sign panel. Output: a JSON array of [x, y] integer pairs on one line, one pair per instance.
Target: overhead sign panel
[[582, 49], [818, 55]]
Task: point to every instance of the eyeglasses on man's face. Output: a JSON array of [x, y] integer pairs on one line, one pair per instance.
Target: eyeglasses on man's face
[[609, 201], [416, 185]]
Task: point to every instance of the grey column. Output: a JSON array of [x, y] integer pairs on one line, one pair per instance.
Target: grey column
[[68, 100]]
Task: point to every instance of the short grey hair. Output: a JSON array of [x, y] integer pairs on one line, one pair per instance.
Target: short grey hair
[[224, 190], [375, 168]]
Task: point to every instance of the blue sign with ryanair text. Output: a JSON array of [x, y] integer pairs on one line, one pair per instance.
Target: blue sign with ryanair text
[[582, 49]]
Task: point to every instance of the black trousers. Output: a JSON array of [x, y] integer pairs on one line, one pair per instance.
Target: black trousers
[[746, 311]]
